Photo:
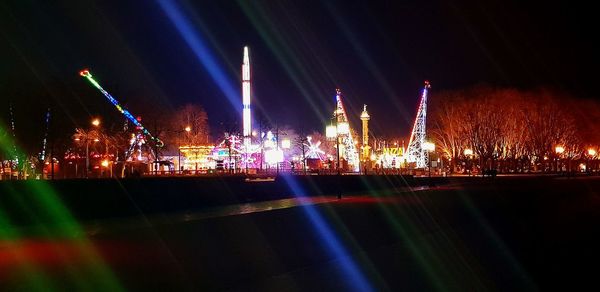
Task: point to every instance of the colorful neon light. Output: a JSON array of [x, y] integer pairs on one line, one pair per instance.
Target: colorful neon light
[[86, 73]]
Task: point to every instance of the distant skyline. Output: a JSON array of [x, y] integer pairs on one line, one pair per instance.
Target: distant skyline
[[377, 52]]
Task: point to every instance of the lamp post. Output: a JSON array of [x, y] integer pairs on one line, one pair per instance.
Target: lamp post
[[430, 147], [87, 156], [469, 153], [277, 147], [559, 150], [331, 132], [337, 143], [286, 144], [591, 153], [186, 129], [105, 163], [95, 123]]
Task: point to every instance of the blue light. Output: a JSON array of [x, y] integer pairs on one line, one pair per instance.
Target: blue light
[[356, 280], [201, 50]]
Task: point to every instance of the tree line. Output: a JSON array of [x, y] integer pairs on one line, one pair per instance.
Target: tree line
[[512, 127]]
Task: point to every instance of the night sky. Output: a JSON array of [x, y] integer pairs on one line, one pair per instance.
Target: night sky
[[376, 52]]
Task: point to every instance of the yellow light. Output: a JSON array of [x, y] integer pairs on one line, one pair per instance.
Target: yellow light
[[188, 129], [286, 144], [468, 152], [330, 132], [77, 139], [273, 156], [96, 140], [591, 152], [269, 144], [105, 163], [343, 128], [559, 149], [373, 157], [429, 146], [96, 122]]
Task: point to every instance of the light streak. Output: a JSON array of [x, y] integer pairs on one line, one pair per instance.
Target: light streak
[[86, 73]]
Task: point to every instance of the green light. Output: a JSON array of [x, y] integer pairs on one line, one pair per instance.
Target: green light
[[94, 82], [49, 219]]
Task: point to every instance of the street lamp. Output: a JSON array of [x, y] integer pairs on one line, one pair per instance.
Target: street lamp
[[96, 123], [186, 129], [286, 144], [331, 132], [559, 150], [468, 153], [430, 147], [105, 163], [591, 153]]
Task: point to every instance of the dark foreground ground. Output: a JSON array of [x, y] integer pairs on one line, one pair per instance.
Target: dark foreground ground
[[463, 234]]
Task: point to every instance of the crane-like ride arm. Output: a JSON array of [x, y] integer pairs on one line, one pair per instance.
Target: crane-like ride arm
[[86, 73]]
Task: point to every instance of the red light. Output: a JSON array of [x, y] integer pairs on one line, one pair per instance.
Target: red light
[[84, 72]]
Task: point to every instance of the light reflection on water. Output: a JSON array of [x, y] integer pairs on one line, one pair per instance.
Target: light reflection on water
[[111, 225]]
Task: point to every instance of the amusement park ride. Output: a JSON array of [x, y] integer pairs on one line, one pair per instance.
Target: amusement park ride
[[250, 150], [416, 151], [342, 132], [138, 139]]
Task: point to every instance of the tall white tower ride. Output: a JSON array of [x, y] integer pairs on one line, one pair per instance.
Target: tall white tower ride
[[246, 113], [416, 152]]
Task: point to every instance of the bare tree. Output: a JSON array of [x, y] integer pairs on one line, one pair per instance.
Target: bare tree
[[447, 116], [301, 144], [506, 125], [190, 117]]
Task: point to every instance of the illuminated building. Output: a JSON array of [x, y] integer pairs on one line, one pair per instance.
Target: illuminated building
[[391, 157], [227, 153], [197, 157]]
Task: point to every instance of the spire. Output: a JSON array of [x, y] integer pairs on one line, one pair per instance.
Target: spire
[[365, 114], [364, 117], [246, 112]]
